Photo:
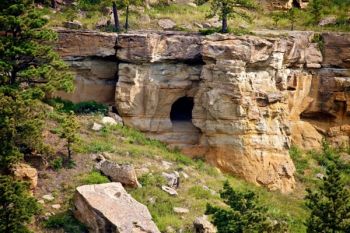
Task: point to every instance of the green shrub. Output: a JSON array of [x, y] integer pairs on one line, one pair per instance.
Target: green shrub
[[16, 205], [97, 146], [152, 180], [65, 221], [57, 163], [90, 107], [87, 107], [301, 164], [94, 177]]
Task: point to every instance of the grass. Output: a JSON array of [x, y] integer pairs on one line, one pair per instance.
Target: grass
[[126, 145], [66, 221], [94, 177]]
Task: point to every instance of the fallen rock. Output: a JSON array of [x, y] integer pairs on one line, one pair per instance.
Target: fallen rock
[[109, 121], [56, 206], [166, 24], [123, 173], [116, 117], [319, 176], [48, 197], [330, 20], [96, 127], [180, 210], [202, 225], [27, 173], [172, 178], [109, 208], [169, 190], [75, 24]]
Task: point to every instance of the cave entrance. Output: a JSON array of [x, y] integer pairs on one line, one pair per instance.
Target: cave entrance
[[296, 4], [181, 110]]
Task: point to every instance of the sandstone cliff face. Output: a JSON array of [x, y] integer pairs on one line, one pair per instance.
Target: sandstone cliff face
[[238, 102], [91, 58]]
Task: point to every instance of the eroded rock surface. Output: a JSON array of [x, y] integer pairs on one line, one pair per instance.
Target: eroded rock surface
[[109, 208], [238, 102]]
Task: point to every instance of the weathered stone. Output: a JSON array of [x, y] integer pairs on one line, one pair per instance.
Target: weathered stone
[[123, 173], [73, 24], [166, 24], [180, 210], [56, 206], [109, 121], [48, 197], [172, 178], [328, 21], [202, 225], [109, 208], [27, 173], [170, 191], [74, 43], [336, 50], [96, 127]]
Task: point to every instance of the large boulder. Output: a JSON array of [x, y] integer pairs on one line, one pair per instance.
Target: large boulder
[[203, 225], [109, 208]]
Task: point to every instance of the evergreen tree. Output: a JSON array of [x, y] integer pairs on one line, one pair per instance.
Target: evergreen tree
[[226, 9], [316, 8], [16, 206], [244, 214], [69, 129], [329, 204], [29, 70]]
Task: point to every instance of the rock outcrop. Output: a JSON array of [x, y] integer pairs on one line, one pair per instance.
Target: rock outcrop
[[109, 208], [91, 58], [238, 102], [26, 173]]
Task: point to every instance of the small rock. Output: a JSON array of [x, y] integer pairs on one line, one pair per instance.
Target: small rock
[[56, 206], [198, 25], [192, 4], [109, 121], [180, 210], [75, 24], [152, 200], [331, 20], [48, 197], [97, 157], [107, 155], [166, 24], [96, 127], [169, 190], [185, 175], [167, 165], [41, 202], [172, 178], [202, 225], [319, 176], [116, 117]]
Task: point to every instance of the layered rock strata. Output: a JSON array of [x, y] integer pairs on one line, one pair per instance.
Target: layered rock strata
[[238, 102], [91, 56]]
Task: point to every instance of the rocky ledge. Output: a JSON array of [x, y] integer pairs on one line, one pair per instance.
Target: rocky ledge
[[238, 102]]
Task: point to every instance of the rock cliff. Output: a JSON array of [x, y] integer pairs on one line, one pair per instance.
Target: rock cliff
[[238, 102]]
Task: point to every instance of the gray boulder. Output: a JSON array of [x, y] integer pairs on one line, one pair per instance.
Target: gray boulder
[[109, 208], [123, 173]]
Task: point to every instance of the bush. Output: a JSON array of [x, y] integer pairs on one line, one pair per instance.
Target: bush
[[87, 107], [300, 163], [65, 221], [16, 205], [57, 163]]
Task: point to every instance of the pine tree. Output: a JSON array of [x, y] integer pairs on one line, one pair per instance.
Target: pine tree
[[69, 127], [329, 204], [244, 214], [16, 205], [226, 9], [29, 70]]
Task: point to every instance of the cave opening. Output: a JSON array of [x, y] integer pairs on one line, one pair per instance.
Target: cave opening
[[296, 4], [181, 110]]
